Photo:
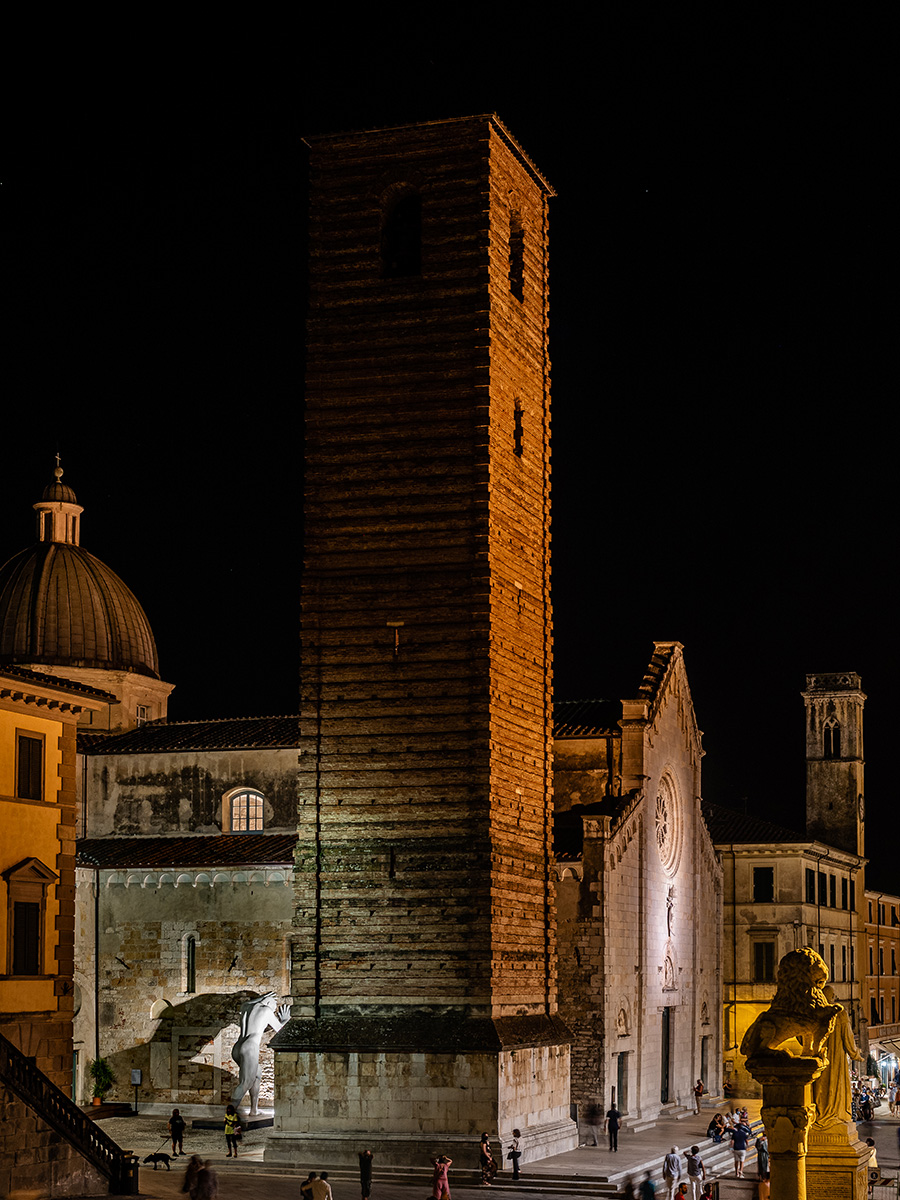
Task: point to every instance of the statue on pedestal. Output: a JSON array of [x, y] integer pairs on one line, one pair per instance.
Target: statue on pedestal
[[800, 1012], [256, 1016], [831, 1091]]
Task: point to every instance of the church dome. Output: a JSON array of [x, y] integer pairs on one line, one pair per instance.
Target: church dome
[[59, 605]]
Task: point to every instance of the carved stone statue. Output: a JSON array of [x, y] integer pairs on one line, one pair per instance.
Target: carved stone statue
[[799, 1010], [831, 1091], [256, 1017]]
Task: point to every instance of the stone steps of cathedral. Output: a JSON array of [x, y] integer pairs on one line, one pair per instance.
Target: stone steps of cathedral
[[717, 1158], [546, 1184]]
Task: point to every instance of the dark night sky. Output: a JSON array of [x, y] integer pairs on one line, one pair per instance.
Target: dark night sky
[[719, 334]]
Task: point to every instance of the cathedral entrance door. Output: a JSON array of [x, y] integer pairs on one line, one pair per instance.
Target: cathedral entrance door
[[665, 1054]]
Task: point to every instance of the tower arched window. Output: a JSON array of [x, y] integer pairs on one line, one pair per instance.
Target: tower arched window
[[516, 256], [832, 739], [243, 811], [401, 234]]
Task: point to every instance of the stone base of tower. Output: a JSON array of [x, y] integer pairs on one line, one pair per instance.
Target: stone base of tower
[[409, 1106]]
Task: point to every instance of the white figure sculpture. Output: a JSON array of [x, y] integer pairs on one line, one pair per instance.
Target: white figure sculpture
[[255, 1018]]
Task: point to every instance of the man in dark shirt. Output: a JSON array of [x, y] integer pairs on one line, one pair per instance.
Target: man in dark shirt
[[611, 1126], [740, 1137]]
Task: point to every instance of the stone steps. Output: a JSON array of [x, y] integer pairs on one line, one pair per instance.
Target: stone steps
[[545, 1184]]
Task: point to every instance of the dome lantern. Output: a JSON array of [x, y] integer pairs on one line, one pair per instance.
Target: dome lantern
[[58, 513]]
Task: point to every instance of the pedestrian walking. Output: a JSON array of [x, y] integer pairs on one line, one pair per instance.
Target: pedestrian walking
[[648, 1188], [441, 1184], [611, 1126], [193, 1169], [592, 1116], [696, 1171], [698, 1095], [514, 1153], [232, 1130], [306, 1186], [488, 1162], [365, 1173], [672, 1170], [207, 1183], [740, 1138]]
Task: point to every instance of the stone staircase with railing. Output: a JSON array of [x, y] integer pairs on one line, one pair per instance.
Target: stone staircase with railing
[[25, 1080]]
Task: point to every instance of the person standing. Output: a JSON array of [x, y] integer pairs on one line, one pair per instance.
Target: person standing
[[488, 1163], [514, 1153], [696, 1171], [321, 1188], [592, 1116], [441, 1184], [176, 1132], [306, 1186], [232, 1130], [672, 1170], [762, 1156], [611, 1126], [365, 1173], [698, 1095]]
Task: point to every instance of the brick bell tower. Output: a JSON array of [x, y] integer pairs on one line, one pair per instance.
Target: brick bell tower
[[424, 986]]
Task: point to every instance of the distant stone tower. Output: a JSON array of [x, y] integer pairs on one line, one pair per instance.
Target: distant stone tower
[[424, 985], [835, 791]]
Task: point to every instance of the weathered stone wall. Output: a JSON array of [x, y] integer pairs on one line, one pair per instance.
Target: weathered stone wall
[[181, 1039], [181, 792], [36, 1161], [409, 1106], [32, 1155]]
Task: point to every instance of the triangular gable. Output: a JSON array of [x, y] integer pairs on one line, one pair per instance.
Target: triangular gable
[[30, 870]]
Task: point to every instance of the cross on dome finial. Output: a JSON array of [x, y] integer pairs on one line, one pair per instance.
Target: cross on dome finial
[[58, 472]]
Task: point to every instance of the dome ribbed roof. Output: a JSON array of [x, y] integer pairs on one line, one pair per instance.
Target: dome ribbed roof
[[60, 605]]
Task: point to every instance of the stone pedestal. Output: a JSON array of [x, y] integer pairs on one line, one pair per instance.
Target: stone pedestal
[[408, 1106], [788, 1114], [836, 1164]]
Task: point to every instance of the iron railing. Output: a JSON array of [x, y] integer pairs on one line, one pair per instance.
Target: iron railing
[[21, 1075]]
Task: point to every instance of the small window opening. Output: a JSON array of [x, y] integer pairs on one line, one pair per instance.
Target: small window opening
[[518, 431], [30, 768], [832, 748], [401, 235], [764, 962], [190, 964], [516, 257], [763, 885]]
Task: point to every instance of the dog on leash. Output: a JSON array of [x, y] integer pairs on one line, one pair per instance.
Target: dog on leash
[[158, 1158]]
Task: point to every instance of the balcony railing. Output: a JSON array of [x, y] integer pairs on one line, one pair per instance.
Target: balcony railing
[[20, 1074]]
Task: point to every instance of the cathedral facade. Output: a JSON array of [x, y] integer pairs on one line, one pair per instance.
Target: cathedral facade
[[639, 898]]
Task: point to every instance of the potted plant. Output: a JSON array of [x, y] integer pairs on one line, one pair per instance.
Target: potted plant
[[102, 1074]]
